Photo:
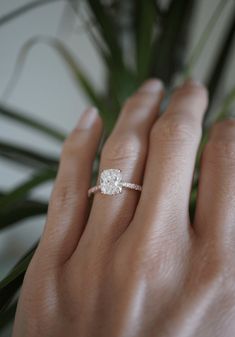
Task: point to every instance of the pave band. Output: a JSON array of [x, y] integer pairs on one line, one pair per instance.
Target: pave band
[[111, 183]]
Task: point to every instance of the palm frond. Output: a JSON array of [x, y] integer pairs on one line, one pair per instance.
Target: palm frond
[[145, 18], [215, 78], [10, 284], [171, 45], [26, 157], [22, 210], [22, 191], [79, 75], [200, 45], [22, 118], [22, 10]]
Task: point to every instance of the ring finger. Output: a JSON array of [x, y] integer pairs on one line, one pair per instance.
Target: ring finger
[[126, 149]]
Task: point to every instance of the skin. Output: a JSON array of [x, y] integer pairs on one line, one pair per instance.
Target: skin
[[134, 265]]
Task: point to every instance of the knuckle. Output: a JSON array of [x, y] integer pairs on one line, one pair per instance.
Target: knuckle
[[127, 147], [127, 264], [215, 265], [219, 273], [139, 263], [176, 129], [63, 196]]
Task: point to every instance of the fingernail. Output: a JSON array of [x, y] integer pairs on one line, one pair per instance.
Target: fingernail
[[87, 118], [193, 82], [224, 129], [152, 86]]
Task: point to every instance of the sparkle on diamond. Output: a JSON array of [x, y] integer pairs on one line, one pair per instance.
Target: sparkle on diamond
[[110, 181]]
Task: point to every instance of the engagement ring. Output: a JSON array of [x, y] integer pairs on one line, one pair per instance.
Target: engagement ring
[[111, 183]]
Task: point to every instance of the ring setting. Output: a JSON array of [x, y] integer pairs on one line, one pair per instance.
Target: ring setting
[[111, 183]]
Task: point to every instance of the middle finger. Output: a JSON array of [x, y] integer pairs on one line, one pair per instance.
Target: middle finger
[[170, 164]]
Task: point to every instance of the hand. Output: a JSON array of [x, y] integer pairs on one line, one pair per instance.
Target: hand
[[135, 265]]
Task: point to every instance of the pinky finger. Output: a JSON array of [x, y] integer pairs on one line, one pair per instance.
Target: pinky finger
[[69, 203]]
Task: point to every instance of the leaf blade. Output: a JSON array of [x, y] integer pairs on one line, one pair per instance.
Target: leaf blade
[[144, 23], [215, 77], [27, 157], [10, 284], [106, 28], [198, 49], [170, 47], [23, 10], [73, 66], [26, 187], [23, 210], [7, 316], [21, 118]]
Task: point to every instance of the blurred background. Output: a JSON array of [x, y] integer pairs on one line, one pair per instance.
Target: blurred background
[[45, 89]]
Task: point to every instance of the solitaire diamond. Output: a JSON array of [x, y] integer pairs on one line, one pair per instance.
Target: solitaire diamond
[[110, 181]]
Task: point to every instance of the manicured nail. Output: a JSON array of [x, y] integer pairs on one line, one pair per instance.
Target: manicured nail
[[152, 86], [87, 118]]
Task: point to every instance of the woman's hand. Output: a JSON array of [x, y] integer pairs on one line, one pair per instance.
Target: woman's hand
[[135, 265]]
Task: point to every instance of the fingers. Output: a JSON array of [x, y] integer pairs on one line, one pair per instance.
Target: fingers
[[68, 205], [174, 141], [126, 150], [215, 210]]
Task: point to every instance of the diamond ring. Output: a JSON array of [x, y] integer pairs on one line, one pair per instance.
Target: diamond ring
[[111, 183]]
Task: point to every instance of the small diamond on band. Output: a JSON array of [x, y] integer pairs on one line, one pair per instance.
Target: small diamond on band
[[132, 186], [111, 183]]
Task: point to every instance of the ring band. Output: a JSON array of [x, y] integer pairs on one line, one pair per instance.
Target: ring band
[[111, 183]]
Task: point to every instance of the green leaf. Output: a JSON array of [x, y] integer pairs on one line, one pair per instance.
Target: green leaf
[[25, 188], [23, 10], [21, 118], [122, 85], [215, 79], [171, 45], [7, 316], [26, 157], [10, 284], [88, 24], [75, 69], [197, 51], [19, 268], [192, 204], [145, 16], [108, 31], [24, 209], [9, 291], [121, 80]]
